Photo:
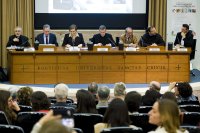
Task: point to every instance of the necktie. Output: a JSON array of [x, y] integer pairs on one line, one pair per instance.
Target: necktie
[[47, 41]]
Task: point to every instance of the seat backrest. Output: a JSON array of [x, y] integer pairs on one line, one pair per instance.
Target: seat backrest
[[142, 120], [24, 108], [26, 120], [3, 118], [78, 130], [10, 129], [102, 109], [86, 121], [191, 129], [122, 130], [191, 118], [190, 108], [62, 110], [144, 109], [188, 102]]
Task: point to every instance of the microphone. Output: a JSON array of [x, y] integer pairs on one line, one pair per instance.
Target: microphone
[[142, 41], [111, 41]]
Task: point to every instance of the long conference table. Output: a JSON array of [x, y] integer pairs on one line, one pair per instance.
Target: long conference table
[[77, 67]]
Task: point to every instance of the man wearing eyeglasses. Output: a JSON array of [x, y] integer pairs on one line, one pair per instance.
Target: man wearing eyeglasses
[[128, 39], [18, 39]]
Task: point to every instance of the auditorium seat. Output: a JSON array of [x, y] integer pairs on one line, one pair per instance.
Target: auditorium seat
[[142, 120], [53, 100], [26, 120], [190, 108], [24, 108], [78, 130], [191, 118], [86, 121], [10, 129], [188, 102], [122, 130], [144, 109], [192, 129], [62, 110], [102, 109], [3, 118]]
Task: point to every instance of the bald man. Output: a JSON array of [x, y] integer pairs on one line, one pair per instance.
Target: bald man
[[18, 39], [128, 39], [154, 85]]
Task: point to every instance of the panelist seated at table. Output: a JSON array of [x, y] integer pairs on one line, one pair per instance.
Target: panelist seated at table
[[18, 39], [185, 37], [73, 38], [103, 38], [128, 39], [46, 37], [151, 38]]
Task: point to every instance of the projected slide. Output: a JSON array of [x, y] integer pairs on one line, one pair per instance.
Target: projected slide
[[91, 6]]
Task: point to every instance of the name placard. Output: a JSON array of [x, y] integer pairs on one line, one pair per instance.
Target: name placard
[[74, 49], [102, 49], [182, 49], [154, 49], [48, 49], [130, 49]]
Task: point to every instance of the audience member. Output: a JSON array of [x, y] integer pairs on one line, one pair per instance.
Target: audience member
[[151, 38], [128, 39], [18, 39], [24, 96], [8, 106], [46, 37], [116, 116], [13, 90], [73, 38], [170, 96], [133, 102], [183, 91], [155, 86], [85, 102], [165, 114], [92, 88], [103, 95], [120, 90], [40, 102], [103, 38], [185, 37], [150, 97]]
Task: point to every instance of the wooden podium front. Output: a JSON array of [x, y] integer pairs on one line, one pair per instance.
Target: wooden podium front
[[74, 67]]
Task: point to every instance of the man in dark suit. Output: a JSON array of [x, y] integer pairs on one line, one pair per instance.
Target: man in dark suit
[[18, 39], [46, 37], [73, 38], [185, 37], [151, 38], [103, 38]]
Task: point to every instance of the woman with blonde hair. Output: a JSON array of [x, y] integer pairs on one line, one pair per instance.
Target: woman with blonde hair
[[165, 114]]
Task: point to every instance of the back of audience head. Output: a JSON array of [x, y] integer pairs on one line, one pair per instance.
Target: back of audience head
[[133, 101], [155, 86], [103, 93], [13, 90], [24, 96], [85, 102], [165, 113], [120, 90], [39, 101], [93, 87], [54, 126], [184, 89], [6, 105], [150, 97], [170, 96], [117, 114], [61, 92]]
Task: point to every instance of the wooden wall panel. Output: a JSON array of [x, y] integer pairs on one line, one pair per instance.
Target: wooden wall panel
[[157, 76], [113, 77], [47, 78], [135, 77], [136, 59], [23, 78], [68, 77]]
